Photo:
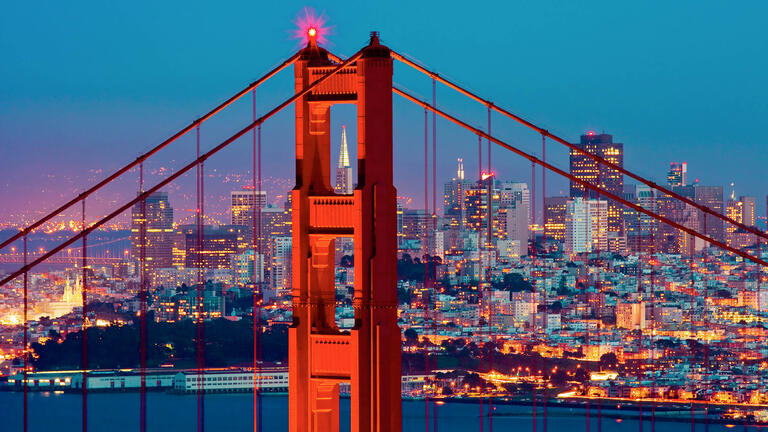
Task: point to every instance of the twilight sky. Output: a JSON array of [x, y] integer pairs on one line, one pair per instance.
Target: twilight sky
[[85, 87]]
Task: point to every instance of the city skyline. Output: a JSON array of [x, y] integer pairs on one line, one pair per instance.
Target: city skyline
[[376, 234], [575, 109]]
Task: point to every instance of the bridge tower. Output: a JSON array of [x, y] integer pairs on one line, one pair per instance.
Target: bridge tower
[[368, 355]]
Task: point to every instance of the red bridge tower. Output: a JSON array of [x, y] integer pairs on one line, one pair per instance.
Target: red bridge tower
[[322, 356]]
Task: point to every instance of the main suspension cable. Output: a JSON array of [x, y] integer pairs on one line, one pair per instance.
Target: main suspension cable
[[151, 152], [84, 340], [143, 306], [584, 183], [183, 170], [575, 148]]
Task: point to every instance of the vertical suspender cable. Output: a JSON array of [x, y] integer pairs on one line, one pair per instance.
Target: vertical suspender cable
[[706, 326], [254, 238], [434, 155], [257, 287], [434, 229], [640, 291], [691, 308], [534, 408], [543, 182], [489, 141], [544, 291], [426, 296], [143, 306], [84, 294], [25, 350], [760, 320], [533, 261], [199, 309], [481, 299], [261, 292], [652, 352], [533, 204], [489, 247]]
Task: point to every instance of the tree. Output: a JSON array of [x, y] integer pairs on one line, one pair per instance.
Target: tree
[[581, 375], [514, 282], [473, 380], [609, 361], [559, 378], [411, 336]]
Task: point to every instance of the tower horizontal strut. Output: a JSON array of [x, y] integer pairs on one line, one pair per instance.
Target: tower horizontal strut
[[151, 152], [179, 173], [596, 158], [573, 178]]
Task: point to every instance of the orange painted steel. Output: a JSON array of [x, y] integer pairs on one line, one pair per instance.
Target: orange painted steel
[[320, 355]]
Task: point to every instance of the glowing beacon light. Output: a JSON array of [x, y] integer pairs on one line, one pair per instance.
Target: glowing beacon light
[[487, 175], [312, 32], [590, 133]]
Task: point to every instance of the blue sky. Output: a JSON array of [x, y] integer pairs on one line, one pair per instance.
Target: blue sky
[[87, 86]]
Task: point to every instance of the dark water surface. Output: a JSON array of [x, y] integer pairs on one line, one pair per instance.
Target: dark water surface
[[118, 412]]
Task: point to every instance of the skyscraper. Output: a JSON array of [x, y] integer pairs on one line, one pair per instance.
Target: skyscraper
[[733, 210], [453, 196], [517, 227], [220, 244], [158, 238], [512, 194], [554, 217], [678, 174], [343, 169], [748, 210], [476, 209], [242, 205], [281, 266], [586, 226], [607, 179], [712, 197]]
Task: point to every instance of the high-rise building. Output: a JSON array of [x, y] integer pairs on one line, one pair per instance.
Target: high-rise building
[[476, 209], [515, 195], [578, 227], [343, 169], [242, 207], [453, 197], [712, 197], [748, 210], [733, 210], [554, 217], [157, 214], [610, 180], [281, 266], [678, 174], [630, 315], [517, 227], [414, 225], [586, 225], [598, 214], [220, 244], [649, 226]]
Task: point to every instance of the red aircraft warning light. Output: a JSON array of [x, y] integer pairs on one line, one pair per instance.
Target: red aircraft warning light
[[311, 27]]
